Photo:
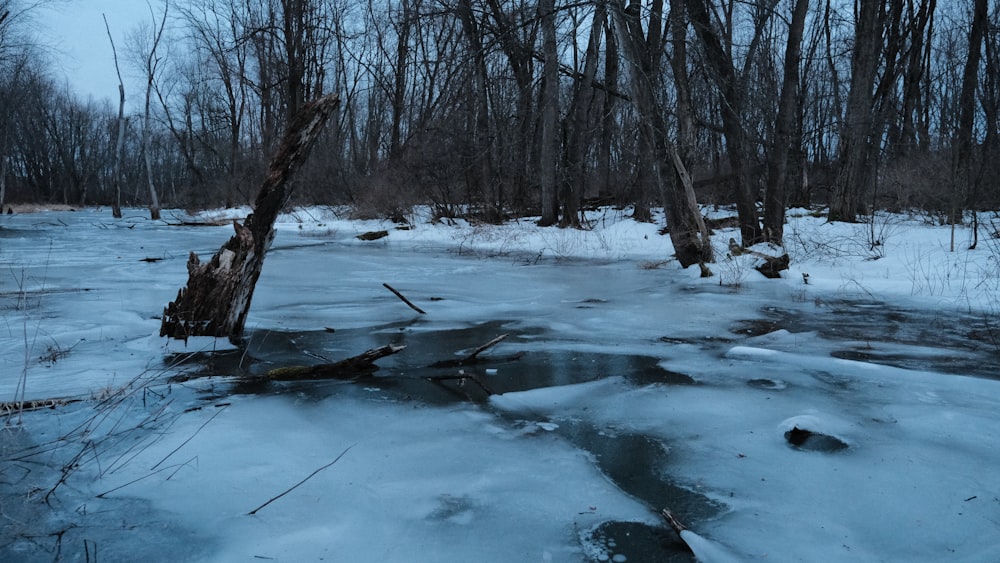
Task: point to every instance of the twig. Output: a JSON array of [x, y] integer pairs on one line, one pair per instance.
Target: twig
[[461, 377], [296, 485], [487, 346], [405, 300], [108, 492], [191, 437], [471, 358]]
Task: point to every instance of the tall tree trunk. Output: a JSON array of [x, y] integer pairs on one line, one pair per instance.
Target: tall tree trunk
[[216, 299], [548, 154], [609, 124], [154, 200], [778, 159], [737, 147], [964, 179], [116, 167], [399, 88], [4, 160], [687, 228], [580, 112], [480, 166], [152, 61], [858, 140]]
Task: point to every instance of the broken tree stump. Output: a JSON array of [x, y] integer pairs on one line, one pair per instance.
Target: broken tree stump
[[216, 299], [356, 367]]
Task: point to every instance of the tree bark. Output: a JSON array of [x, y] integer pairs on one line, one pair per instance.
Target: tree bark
[[777, 162], [962, 173], [737, 147], [217, 297], [116, 178], [548, 153], [355, 367], [688, 232], [581, 129], [858, 140]]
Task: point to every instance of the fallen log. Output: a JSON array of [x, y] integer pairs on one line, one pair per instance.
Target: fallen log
[[772, 265], [357, 367], [14, 407], [372, 235]]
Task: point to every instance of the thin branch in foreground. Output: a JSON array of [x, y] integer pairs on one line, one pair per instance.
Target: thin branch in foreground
[[296, 485]]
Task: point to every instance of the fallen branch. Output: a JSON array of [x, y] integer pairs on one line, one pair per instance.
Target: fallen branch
[[772, 265], [296, 485], [473, 358], [362, 365], [404, 299], [372, 235], [673, 521], [11, 407]]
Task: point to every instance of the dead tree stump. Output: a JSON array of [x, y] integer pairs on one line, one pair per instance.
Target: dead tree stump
[[216, 299]]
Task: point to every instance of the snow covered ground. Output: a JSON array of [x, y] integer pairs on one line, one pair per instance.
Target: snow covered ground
[[641, 386]]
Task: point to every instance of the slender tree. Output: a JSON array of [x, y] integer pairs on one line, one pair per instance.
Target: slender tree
[[775, 199]]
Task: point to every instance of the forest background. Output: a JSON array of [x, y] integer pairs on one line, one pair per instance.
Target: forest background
[[491, 109]]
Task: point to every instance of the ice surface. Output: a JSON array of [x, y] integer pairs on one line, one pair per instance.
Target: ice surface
[[877, 353]]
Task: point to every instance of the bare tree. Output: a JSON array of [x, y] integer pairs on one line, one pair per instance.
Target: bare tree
[[775, 199], [116, 158], [149, 63], [548, 154], [581, 127], [687, 228], [859, 141], [962, 149]]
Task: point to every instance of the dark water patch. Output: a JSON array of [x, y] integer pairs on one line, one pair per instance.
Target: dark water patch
[[878, 322], [623, 542], [705, 342], [755, 327], [957, 364], [638, 465], [804, 439], [515, 364], [767, 384]]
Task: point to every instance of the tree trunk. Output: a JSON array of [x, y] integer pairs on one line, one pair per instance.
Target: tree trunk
[[116, 178], [580, 129], [858, 142], [962, 174], [777, 162], [737, 147], [399, 73], [687, 228], [3, 179], [217, 297], [548, 154]]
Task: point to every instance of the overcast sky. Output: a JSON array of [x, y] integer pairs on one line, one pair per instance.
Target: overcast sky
[[74, 29]]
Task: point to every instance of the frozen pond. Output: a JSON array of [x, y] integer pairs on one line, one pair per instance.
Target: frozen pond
[[781, 421]]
